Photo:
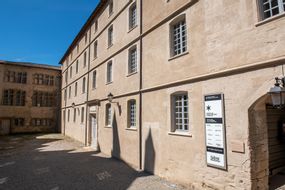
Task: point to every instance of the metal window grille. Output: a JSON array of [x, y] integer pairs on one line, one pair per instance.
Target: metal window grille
[[133, 16], [179, 38], [108, 115], [271, 8], [181, 112], [132, 112], [94, 80], [109, 72], [110, 36], [133, 60]]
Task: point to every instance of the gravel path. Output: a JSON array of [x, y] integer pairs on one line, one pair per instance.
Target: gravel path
[[54, 162]]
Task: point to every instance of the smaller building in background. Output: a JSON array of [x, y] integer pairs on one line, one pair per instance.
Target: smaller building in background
[[30, 97]]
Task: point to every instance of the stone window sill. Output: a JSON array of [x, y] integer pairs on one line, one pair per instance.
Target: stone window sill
[[177, 56], [131, 129], [270, 19], [131, 29], [184, 134], [130, 74]]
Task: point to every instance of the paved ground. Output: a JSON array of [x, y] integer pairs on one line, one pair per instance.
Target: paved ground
[[52, 162], [278, 181]]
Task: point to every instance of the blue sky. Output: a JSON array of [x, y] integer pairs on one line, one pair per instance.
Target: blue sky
[[40, 31]]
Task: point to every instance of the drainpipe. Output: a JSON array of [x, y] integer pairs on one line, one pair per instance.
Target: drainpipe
[[140, 88], [87, 95]]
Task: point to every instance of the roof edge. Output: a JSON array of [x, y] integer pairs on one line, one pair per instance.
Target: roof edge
[[29, 64]]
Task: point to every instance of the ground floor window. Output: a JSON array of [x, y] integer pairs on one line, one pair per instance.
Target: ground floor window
[[41, 122], [180, 118], [19, 122], [132, 114]]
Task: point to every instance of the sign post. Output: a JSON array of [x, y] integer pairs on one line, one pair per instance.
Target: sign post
[[215, 131]]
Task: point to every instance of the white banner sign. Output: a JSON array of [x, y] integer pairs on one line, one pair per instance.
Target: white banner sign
[[215, 131]]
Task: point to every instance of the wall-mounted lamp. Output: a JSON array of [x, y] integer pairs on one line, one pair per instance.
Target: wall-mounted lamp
[[110, 97], [277, 93]]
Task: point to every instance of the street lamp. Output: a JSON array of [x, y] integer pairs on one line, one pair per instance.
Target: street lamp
[[110, 97], [277, 93]]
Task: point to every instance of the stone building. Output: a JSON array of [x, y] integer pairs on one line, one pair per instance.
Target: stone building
[[30, 98], [180, 88]]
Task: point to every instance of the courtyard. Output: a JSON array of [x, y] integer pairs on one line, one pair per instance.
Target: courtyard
[[55, 162]]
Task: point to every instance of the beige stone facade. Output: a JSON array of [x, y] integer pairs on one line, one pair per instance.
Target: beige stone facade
[[230, 47], [30, 98]]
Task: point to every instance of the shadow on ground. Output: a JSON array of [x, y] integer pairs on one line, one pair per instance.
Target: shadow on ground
[[28, 162]]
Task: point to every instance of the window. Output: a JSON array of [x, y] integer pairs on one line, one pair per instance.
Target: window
[[85, 59], [69, 96], [83, 85], [180, 119], [132, 114], [8, 96], [68, 115], [15, 77], [109, 72], [74, 115], [63, 116], [76, 68], [44, 99], [77, 48], [19, 122], [108, 115], [82, 115], [41, 122], [13, 97], [110, 36], [65, 95], [41, 79], [70, 72], [270, 8], [48, 80], [178, 36], [94, 79], [132, 60], [85, 37], [20, 98], [133, 16], [71, 56], [67, 61], [75, 89], [96, 26], [95, 49], [66, 76], [111, 7]]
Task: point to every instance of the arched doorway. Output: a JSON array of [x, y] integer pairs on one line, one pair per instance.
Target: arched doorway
[[267, 148]]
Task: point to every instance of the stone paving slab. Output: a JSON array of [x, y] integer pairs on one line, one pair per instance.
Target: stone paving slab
[[54, 162]]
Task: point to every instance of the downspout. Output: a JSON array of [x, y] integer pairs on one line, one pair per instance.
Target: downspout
[[140, 88], [87, 95]]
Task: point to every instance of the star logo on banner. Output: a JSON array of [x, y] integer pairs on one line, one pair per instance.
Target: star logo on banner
[[208, 108]]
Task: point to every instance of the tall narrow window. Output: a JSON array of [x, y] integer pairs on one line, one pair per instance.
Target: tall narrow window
[[74, 114], [111, 7], [77, 48], [109, 72], [70, 72], [69, 96], [75, 89], [180, 119], [132, 60], [96, 26], [68, 115], [85, 59], [133, 16], [82, 115], [83, 85], [64, 116], [178, 36], [66, 76], [65, 95], [20, 98], [76, 67], [95, 49], [94, 79], [270, 8], [8, 96], [108, 115], [85, 37], [110, 36], [132, 114]]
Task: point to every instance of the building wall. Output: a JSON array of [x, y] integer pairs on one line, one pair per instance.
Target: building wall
[[230, 51], [28, 112]]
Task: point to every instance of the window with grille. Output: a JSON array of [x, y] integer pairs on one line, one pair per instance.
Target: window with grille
[[82, 115], [85, 59], [110, 36], [108, 115], [94, 79], [109, 71], [19, 122], [179, 36], [76, 67], [83, 85], [95, 49], [15, 77], [270, 8], [180, 113], [132, 114], [75, 89], [133, 16], [111, 7], [133, 60]]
